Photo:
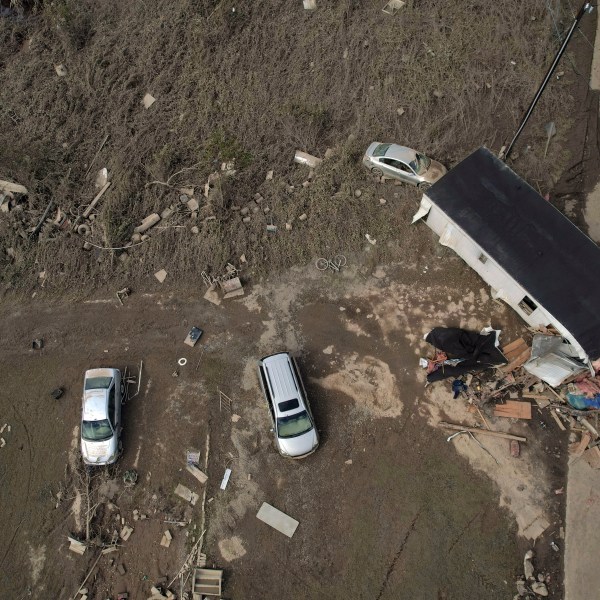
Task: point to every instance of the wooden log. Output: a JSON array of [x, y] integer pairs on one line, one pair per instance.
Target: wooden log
[[499, 434]]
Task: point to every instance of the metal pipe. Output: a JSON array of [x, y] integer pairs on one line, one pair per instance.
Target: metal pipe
[[586, 7]]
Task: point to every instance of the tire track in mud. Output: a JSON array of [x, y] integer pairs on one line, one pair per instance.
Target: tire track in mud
[[397, 556], [29, 473]]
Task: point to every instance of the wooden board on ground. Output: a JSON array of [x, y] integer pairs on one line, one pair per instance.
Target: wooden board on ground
[[499, 434], [277, 519], [513, 409], [513, 349], [541, 400], [517, 362], [592, 457], [558, 420], [197, 473]]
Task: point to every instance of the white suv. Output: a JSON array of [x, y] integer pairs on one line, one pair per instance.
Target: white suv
[[293, 423]]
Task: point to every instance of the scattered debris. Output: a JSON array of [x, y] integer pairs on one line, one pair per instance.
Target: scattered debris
[[197, 473], [56, 393], [193, 336], [515, 449], [535, 529], [513, 409], [14, 188], [92, 204], [226, 477], [370, 239], [123, 293], [393, 6], [232, 288], [269, 176], [37, 344], [303, 217], [166, 539], [130, 476], [500, 434], [147, 223], [277, 519], [303, 158], [126, 533], [161, 275], [206, 582], [309, 4], [61, 70], [550, 129], [148, 100], [183, 492], [212, 295], [76, 546]]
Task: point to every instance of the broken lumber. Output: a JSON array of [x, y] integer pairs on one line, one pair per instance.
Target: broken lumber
[[197, 473], [586, 438], [90, 208], [517, 362], [513, 409], [499, 434], [558, 420], [15, 188]]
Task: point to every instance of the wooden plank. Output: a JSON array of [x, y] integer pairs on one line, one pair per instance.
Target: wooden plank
[[586, 438], [515, 344], [541, 400], [90, 208], [499, 434], [513, 409], [517, 362], [516, 352], [558, 420], [277, 519], [197, 473]]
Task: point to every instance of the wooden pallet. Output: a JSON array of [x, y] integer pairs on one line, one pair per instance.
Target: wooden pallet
[[513, 409]]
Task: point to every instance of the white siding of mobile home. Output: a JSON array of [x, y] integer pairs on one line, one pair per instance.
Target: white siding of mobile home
[[503, 286]]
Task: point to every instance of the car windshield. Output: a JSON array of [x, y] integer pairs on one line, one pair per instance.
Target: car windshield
[[381, 149], [420, 164], [294, 425], [96, 431], [98, 383]]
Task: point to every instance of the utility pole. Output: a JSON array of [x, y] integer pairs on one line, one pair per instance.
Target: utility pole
[[586, 7]]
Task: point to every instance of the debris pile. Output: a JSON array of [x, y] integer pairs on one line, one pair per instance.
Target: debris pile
[[529, 583]]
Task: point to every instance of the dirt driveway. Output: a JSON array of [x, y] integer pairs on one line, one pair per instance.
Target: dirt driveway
[[387, 508]]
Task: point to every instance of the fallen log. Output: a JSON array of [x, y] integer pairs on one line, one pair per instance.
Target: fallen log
[[458, 427]]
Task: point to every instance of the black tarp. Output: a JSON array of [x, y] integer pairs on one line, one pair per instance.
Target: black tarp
[[478, 351]]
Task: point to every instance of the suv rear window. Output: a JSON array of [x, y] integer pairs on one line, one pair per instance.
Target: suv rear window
[[288, 405]]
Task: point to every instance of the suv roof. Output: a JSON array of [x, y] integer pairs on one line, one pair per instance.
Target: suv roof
[[282, 383]]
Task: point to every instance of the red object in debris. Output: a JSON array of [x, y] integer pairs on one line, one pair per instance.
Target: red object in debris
[[547, 197], [123, 596], [515, 448]]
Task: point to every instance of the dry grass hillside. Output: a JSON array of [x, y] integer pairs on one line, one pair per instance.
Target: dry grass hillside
[[250, 82]]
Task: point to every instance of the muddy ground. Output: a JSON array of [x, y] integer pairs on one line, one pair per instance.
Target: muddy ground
[[412, 515], [407, 517]]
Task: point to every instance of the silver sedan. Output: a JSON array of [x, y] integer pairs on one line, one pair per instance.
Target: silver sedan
[[101, 417], [404, 164]]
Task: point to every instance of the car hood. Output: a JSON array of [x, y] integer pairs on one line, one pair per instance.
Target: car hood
[[300, 445], [436, 171], [98, 453]]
